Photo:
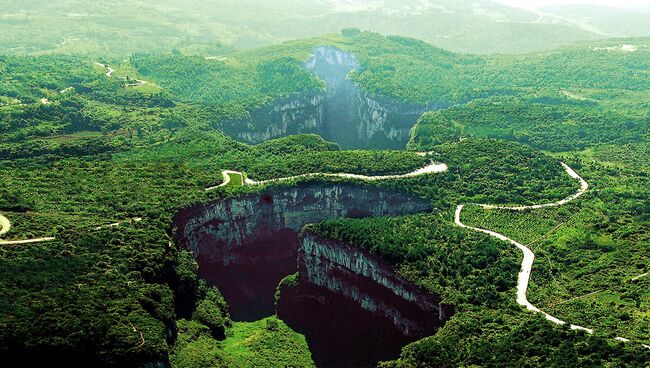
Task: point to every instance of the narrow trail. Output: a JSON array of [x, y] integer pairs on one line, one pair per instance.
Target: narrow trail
[[434, 167], [110, 71], [580, 297], [28, 241], [116, 224], [5, 226]]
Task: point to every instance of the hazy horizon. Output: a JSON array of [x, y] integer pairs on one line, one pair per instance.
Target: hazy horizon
[[324, 183], [532, 4]]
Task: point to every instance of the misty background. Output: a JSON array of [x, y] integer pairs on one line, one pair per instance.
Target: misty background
[[210, 27]]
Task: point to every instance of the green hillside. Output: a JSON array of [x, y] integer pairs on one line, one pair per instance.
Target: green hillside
[[104, 157]]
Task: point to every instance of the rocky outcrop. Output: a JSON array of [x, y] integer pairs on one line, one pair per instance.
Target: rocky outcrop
[[219, 229], [386, 122], [344, 294], [246, 245], [344, 113], [370, 282], [299, 113]]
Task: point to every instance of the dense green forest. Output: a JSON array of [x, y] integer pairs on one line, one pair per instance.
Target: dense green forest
[[476, 274], [405, 69], [553, 122], [81, 150], [205, 92]]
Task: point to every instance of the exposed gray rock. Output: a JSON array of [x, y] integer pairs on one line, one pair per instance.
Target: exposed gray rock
[[299, 113], [348, 271], [246, 245], [218, 229], [343, 113]]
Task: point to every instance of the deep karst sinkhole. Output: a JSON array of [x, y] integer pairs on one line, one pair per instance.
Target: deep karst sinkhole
[[353, 309], [343, 112]]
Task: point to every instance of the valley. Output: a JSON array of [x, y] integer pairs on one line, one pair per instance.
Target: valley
[[351, 199]]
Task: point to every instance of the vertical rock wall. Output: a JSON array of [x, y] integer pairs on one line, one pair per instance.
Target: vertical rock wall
[[344, 113], [299, 113], [344, 294], [218, 229], [246, 245], [370, 282]]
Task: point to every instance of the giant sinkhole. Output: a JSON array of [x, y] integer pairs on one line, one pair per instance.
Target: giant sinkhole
[[353, 309]]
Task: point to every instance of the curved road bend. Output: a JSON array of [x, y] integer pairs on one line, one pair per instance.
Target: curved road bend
[[529, 257], [433, 167]]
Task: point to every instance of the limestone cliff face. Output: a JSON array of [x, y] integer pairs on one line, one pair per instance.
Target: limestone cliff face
[[216, 231], [246, 245], [344, 113], [356, 118], [370, 282], [386, 122], [299, 113]]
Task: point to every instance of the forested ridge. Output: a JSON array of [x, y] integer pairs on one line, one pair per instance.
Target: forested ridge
[[551, 122], [528, 91], [80, 150]]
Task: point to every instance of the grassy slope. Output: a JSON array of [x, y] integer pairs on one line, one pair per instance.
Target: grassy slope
[[266, 343]]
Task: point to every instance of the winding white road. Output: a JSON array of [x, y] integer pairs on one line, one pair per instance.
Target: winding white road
[[433, 167], [110, 71], [529, 257], [6, 226], [584, 186], [226, 179]]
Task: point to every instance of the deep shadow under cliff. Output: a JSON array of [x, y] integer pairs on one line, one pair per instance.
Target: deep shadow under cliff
[[245, 246], [343, 113]]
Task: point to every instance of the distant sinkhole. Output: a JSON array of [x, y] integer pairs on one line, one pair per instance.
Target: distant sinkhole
[[343, 113], [350, 305]]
